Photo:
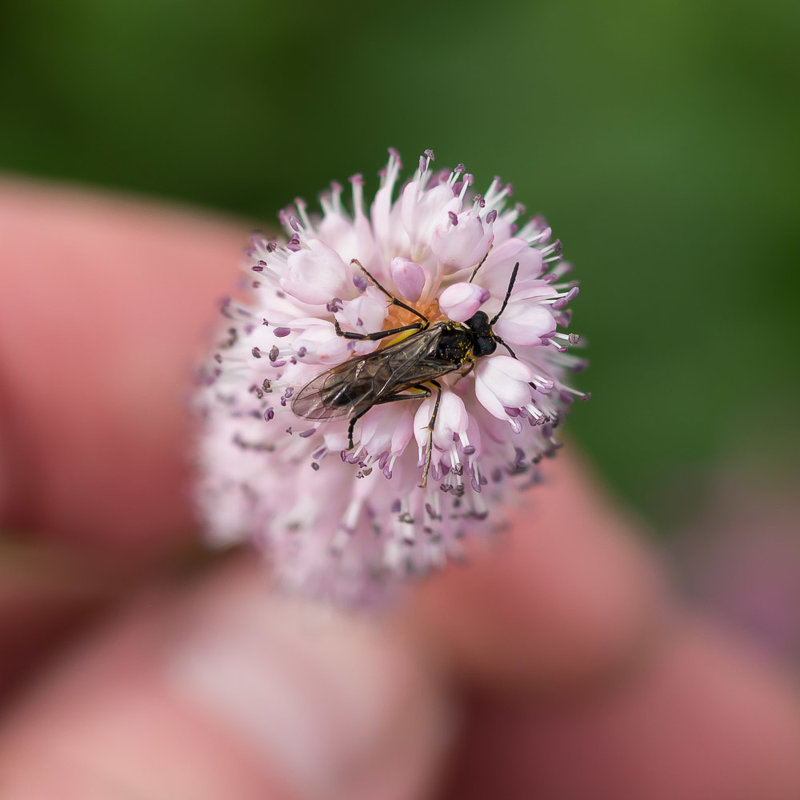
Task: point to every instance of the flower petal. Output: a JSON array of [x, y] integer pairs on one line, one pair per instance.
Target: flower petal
[[496, 270], [462, 244], [421, 212], [451, 420], [502, 382], [316, 274], [322, 345], [461, 300], [525, 323], [408, 278], [364, 313]]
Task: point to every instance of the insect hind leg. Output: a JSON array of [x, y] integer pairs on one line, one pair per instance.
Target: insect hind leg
[[431, 426], [425, 392]]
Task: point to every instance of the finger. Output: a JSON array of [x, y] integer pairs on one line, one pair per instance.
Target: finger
[[43, 596], [706, 720], [103, 304], [570, 595], [229, 692]]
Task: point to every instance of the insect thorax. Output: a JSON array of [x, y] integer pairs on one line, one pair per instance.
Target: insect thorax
[[455, 345]]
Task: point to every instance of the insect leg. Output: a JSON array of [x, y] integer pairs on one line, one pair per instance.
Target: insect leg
[[431, 426], [426, 392], [352, 425], [414, 326], [470, 367], [394, 300]]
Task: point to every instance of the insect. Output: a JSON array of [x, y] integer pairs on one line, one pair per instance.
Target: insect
[[404, 370]]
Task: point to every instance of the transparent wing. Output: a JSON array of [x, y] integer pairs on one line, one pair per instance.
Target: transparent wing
[[339, 392], [356, 385]]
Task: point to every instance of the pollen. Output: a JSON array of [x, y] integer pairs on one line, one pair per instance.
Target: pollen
[[398, 317]]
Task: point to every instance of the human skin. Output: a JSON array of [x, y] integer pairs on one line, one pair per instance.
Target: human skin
[[559, 664]]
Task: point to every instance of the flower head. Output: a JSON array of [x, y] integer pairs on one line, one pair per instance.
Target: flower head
[[392, 370]]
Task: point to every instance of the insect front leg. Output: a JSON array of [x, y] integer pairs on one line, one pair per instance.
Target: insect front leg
[[372, 337], [395, 301], [431, 426]]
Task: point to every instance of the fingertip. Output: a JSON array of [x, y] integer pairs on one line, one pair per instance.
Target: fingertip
[[570, 595], [224, 690], [704, 718], [103, 306]]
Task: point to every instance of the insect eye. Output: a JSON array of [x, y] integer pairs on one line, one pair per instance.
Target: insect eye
[[485, 345], [477, 321]]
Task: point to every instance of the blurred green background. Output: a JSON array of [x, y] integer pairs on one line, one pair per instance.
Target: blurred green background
[[659, 138]]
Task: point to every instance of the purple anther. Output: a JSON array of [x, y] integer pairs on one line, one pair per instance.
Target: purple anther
[[562, 302]]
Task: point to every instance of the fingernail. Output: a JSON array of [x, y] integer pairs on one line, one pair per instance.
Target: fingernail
[[337, 705]]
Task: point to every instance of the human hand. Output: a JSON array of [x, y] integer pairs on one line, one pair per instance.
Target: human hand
[[557, 666]]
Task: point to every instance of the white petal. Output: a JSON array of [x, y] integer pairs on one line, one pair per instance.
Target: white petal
[[496, 270], [525, 323], [408, 278], [461, 245], [322, 344], [377, 426], [402, 433], [502, 382], [364, 314], [451, 419], [316, 274], [461, 300], [422, 211]]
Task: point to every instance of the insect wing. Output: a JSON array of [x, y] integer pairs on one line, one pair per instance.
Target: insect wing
[[356, 385], [411, 362], [337, 392]]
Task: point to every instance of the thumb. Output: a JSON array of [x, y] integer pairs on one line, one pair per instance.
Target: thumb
[[227, 691]]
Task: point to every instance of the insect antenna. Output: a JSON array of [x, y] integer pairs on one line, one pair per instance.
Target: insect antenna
[[502, 309], [508, 294], [500, 341]]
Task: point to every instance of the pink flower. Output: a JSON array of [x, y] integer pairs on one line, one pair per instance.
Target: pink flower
[[296, 452]]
